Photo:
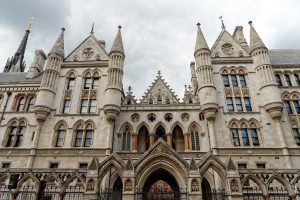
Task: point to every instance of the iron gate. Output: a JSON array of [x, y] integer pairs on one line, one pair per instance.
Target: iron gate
[[27, 193], [4, 193], [150, 194]]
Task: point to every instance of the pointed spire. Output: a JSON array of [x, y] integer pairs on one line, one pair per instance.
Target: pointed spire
[[222, 22], [92, 30], [17, 63], [255, 41], [58, 47], [118, 43], [200, 41]]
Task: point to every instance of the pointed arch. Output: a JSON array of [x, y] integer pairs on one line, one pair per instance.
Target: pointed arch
[[158, 125], [77, 123], [224, 70], [141, 125], [26, 178], [233, 122], [281, 180], [194, 124], [124, 125], [23, 119], [59, 123], [242, 70], [71, 179], [285, 95], [177, 123], [54, 176], [87, 73], [243, 121], [72, 73], [253, 178], [90, 122], [96, 73]]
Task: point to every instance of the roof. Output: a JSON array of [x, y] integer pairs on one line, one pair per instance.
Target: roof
[[18, 77], [284, 56]]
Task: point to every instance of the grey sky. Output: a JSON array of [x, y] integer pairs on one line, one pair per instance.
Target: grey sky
[[157, 35]]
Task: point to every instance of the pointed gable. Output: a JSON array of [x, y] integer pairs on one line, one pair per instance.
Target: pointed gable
[[89, 49], [159, 93], [227, 46]]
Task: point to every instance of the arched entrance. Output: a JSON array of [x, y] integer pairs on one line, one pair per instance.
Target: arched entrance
[[206, 190], [160, 185]]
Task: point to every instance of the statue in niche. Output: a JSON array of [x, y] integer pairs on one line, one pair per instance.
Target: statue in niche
[[128, 185], [195, 185], [234, 187]]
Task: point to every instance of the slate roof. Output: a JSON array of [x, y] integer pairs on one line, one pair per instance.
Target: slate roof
[[284, 56], [18, 77]]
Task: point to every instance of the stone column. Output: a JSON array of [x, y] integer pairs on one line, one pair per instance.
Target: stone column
[[212, 138], [35, 145], [110, 134], [134, 142], [169, 139], [186, 142], [151, 136]]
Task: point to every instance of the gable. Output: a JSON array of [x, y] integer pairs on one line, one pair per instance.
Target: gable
[[159, 88], [90, 49], [227, 46]]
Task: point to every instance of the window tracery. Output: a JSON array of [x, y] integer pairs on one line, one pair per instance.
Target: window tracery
[[245, 132], [24, 102], [15, 133], [60, 132], [126, 139], [195, 140], [83, 134]]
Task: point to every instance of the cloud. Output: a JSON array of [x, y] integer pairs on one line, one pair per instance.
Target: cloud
[[157, 35]]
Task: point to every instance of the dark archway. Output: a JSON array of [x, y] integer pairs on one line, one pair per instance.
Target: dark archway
[[143, 140], [160, 132], [178, 139], [206, 190], [161, 184], [118, 185]]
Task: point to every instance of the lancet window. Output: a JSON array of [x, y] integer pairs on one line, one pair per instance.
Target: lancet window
[[15, 134]]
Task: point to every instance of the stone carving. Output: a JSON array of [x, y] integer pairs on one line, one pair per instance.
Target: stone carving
[[128, 185], [168, 117], [151, 117], [87, 53], [227, 48], [135, 117], [234, 187], [195, 185], [90, 185], [129, 165], [231, 166], [193, 165], [185, 117]]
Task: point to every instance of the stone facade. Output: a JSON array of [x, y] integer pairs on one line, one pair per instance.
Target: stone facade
[[67, 123]]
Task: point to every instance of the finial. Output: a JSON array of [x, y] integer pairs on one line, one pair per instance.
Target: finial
[[63, 29], [129, 88], [221, 18], [198, 24], [119, 27], [92, 30], [159, 73], [30, 24], [250, 22]]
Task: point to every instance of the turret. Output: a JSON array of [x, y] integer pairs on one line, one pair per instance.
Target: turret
[[16, 63], [45, 97], [269, 91], [113, 92], [206, 90], [194, 78]]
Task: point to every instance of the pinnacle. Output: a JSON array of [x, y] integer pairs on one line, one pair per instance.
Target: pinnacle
[[200, 41], [255, 40], [58, 47], [118, 43]]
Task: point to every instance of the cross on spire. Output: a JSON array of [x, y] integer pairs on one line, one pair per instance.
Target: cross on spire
[[222, 22]]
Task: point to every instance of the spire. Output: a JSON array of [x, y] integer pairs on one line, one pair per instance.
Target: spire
[[222, 22], [200, 41], [118, 43], [58, 47], [17, 63], [92, 30], [255, 41]]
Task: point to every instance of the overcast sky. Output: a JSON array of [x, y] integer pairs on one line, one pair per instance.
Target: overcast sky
[[157, 34]]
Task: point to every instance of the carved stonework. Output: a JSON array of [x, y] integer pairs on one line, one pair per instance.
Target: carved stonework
[[228, 92], [227, 48], [129, 165], [128, 185], [90, 185], [135, 117], [245, 92], [234, 186], [231, 166], [87, 53], [195, 185], [185, 117], [193, 165]]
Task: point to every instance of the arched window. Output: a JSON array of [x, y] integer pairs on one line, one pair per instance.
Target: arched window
[[21, 104], [126, 140], [278, 80], [60, 136], [84, 135], [71, 83], [30, 103], [159, 99], [244, 135], [297, 79], [287, 80], [195, 141], [150, 101], [234, 81], [288, 107], [15, 134]]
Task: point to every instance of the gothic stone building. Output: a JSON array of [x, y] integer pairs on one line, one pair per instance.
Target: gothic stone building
[[69, 131]]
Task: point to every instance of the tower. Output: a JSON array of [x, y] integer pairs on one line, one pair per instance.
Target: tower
[[16, 63], [269, 91], [207, 93], [47, 91], [113, 91]]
